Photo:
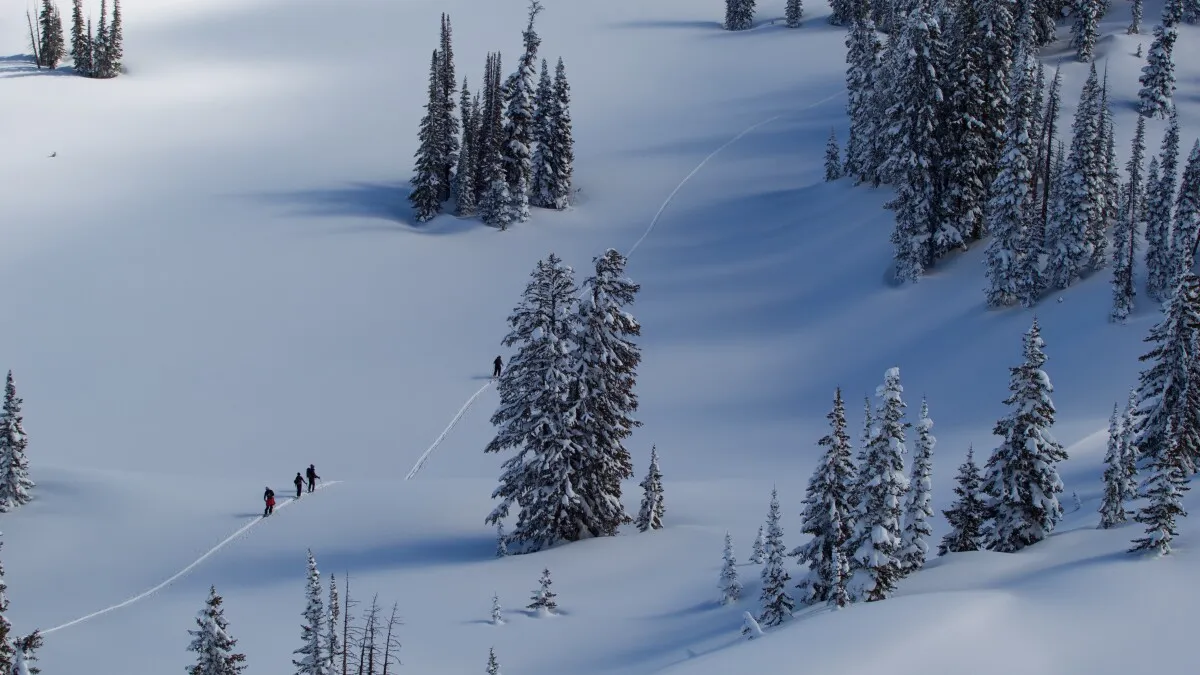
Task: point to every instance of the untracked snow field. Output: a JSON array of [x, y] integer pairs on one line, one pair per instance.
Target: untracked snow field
[[217, 281]]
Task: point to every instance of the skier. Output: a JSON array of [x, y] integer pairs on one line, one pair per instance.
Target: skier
[[498, 363], [269, 499], [312, 477], [299, 481]]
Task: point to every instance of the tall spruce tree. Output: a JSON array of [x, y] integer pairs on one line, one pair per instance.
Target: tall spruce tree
[[7, 651], [650, 515], [449, 123], [1109, 179], [1048, 135], [464, 174], [1125, 230], [1172, 12], [1163, 490], [918, 507], [100, 43], [739, 14], [15, 485], [605, 370], [1191, 11], [1135, 21], [81, 46], [998, 35], [1069, 240], [542, 101], [828, 511], [1169, 388], [967, 172], [212, 643], [1010, 205], [495, 200], [1158, 75], [536, 417], [793, 12], [1160, 198], [114, 41], [312, 658], [334, 648], [52, 47], [731, 588], [863, 48], [426, 195], [1112, 506], [969, 513], [1086, 29], [1129, 452], [1021, 477], [758, 550], [833, 158], [776, 603], [517, 151], [1187, 216], [875, 546], [920, 231], [485, 142], [560, 156]]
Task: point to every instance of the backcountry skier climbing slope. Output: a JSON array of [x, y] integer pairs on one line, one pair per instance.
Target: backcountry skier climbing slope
[[498, 365], [312, 477], [269, 499], [299, 481]]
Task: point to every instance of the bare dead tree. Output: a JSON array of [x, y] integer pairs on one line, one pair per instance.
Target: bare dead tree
[[391, 645], [34, 40], [347, 604], [365, 639]]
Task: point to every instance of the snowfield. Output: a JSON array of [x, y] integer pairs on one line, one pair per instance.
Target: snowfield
[[217, 281]]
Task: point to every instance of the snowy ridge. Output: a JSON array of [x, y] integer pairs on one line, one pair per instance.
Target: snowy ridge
[[649, 228], [145, 594]]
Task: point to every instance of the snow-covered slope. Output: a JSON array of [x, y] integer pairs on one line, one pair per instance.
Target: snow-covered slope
[[216, 282]]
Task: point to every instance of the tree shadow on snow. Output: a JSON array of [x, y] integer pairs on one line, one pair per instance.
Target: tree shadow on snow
[[669, 23], [23, 65], [372, 201]]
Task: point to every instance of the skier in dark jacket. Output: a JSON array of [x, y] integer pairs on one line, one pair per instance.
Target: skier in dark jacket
[[299, 481], [269, 500], [498, 365], [312, 477]]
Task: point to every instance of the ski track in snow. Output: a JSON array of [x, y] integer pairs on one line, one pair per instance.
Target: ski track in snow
[[142, 596], [649, 228]]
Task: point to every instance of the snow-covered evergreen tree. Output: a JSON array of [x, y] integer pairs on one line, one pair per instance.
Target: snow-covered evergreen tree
[[758, 550], [561, 143], [1048, 142], [487, 144], [1158, 75], [543, 601], [542, 101], [493, 666], [427, 189], [918, 507], [333, 641], [1086, 29], [464, 174], [537, 393], [1070, 237], [605, 362], [7, 651], [501, 540], [828, 509], [776, 603], [1109, 182], [212, 643], [1187, 216], [1021, 477], [312, 659], [1163, 491], [1009, 208], [968, 173], [1172, 12], [1169, 388], [876, 543], [1112, 506], [1135, 21], [497, 617], [1160, 201], [449, 122], [998, 35], [739, 14], [793, 11], [863, 48], [53, 45], [520, 90], [839, 594], [920, 231], [81, 46], [1191, 11], [1129, 452], [731, 588], [1125, 230], [15, 484], [650, 515], [969, 512], [833, 158]]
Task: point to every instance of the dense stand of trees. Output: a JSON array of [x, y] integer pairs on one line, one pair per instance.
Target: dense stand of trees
[[94, 53]]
